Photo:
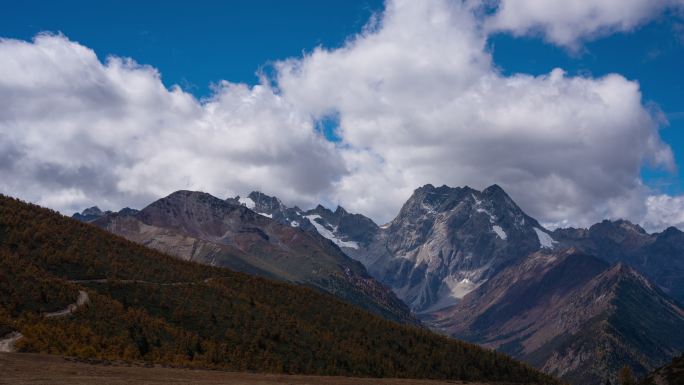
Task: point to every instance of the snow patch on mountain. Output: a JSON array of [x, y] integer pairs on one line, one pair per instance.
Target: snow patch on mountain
[[430, 210], [459, 288], [500, 232], [545, 239], [479, 209], [330, 234]]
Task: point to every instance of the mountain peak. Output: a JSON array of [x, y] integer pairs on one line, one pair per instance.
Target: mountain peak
[[322, 211], [622, 271], [92, 211], [627, 225], [263, 203], [185, 194], [89, 214], [127, 211], [495, 192], [494, 189], [258, 195], [618, 231], [185, 203], [670, 232]]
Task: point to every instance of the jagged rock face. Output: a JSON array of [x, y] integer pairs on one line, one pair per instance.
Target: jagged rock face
[[88, 214], [348, 231], [662, 261], [346, 226], [447, 241], [197, 226], [659, 256], [273, 208], [610, 240], [93, 213], [572, 315]]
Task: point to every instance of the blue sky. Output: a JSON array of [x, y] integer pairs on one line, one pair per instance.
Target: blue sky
[[197, 44]]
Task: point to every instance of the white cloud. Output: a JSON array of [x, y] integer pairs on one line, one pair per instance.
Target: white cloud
[[567, 23], [418, 98], [75, 131], [663, 211], [420, 102]]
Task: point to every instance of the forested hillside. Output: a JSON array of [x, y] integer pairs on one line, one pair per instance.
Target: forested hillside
[[147, 306], [670, 374]]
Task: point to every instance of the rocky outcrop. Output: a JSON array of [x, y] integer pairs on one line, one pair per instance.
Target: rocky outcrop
[[446, 242]]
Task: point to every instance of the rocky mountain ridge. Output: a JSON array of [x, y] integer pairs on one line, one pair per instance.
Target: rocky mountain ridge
[[572, 315], [348, 231], [446, 241], [443, 243], [199, 227], [658, 256]]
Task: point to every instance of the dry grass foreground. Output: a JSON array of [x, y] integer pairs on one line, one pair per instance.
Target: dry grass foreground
[[25, 368]]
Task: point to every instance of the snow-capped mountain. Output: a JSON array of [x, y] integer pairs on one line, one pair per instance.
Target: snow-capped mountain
[[443, 244], [348, 231], [447, 241]]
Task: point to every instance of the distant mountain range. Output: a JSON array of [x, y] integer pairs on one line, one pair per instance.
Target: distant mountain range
[[572, 315], [577, 303]]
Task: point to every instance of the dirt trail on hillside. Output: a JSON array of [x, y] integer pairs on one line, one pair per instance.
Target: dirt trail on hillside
[[7, 342], [104, 280], [80, 301]]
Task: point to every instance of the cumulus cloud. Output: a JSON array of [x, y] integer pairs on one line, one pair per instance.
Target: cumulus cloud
[[76, 131], [663, 210], [420, 102], [417, 97], [567, 23]]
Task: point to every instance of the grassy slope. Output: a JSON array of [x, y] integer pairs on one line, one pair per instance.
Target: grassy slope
[[216, 318], [31, 369]]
